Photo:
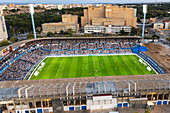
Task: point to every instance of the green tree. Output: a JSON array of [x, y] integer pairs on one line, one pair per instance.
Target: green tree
[[168, 39], [30, 36], [13, 39], [147, 111], [50, 34], [133, 31], [55, 32], [4, 43], [61, 32], [155, 37], [70, 31], [122, 32]]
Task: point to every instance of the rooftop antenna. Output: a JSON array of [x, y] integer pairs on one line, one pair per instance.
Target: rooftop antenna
[[32, 18]]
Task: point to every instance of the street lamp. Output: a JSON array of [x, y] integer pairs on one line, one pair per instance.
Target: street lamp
[[144, 12], [32, 18]]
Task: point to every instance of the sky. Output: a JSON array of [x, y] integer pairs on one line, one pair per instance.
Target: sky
[[79, 1]]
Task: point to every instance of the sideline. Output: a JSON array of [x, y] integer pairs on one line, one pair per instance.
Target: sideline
[[36, 67], [147, 63]]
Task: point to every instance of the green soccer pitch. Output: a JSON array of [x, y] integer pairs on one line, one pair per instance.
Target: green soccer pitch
[[90, 66]]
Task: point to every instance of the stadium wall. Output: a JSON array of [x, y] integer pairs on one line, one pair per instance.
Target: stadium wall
[[91, 103]]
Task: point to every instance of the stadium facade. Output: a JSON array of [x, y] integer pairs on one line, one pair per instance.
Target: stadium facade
[[74, 94], [57, 96]]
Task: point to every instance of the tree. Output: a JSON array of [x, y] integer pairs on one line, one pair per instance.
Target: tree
[[4, 43], [30, 36], [70, 31], [50, 34], [122, 32], [133, 31], [168, 39], [13, 39], [55, 32], [155, 37], [147, 111], [22, 30], [61, 32]]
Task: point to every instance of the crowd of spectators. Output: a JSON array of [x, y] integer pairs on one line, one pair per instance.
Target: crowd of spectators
[[92, 44], [20, 67]]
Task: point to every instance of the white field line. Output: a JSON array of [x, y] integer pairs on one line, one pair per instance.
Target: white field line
[[36, 67], [94, 66], [128, 66], [138, 66], [147, 63], [59, 68], [47, 68]]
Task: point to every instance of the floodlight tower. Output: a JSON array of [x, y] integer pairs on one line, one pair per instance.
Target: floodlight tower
[[32, 18], [144, 12]]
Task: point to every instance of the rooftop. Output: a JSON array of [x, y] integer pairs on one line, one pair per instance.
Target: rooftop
[[84, 86]]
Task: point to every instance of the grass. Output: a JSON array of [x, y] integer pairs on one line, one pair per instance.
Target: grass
[[91, 66]]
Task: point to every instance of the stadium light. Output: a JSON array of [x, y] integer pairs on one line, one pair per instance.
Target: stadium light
[[144, 12], [32, 13]]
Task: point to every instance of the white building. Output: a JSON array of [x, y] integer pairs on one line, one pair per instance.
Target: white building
[[3, 29], [167, 25], [60, 7], [111, 29]]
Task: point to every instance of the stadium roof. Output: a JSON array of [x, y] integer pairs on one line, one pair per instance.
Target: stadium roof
[[84, 86]]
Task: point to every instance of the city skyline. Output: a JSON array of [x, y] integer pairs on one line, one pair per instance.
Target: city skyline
[[81, 1]]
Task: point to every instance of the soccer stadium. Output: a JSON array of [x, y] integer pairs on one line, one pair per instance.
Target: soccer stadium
[[71, 58], [57, 75]]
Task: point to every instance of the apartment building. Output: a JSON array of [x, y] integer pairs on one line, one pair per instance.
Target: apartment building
[[57, 27], [3, 29], [68, 22], [109, 15], [68, 18]]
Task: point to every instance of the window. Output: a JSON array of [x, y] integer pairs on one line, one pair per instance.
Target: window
[[110, 101], [104, 101], [92, 102]]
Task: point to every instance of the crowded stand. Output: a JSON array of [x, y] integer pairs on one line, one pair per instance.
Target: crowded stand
[[22, 59]]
